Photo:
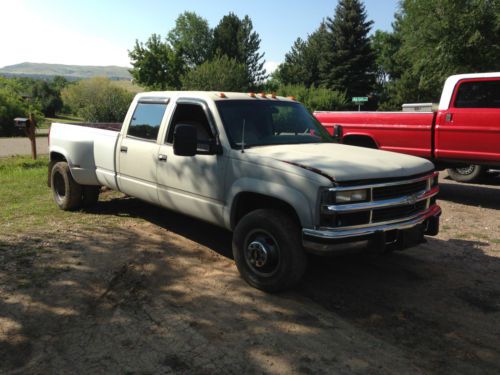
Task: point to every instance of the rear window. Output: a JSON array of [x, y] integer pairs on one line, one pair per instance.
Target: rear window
[[478, 94], [146, 120]]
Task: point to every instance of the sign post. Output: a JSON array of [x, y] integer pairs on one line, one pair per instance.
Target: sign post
[[359, 100]]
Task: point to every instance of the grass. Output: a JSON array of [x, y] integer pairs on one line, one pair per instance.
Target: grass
[[26, 202]]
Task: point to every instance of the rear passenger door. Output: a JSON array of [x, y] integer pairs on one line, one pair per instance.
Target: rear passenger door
[[470, 129], [138, 150]]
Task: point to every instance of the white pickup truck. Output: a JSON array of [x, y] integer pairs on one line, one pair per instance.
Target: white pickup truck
[[258, 165]]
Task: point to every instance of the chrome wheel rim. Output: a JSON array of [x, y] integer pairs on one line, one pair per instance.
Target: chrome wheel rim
[[262, 253], [59, 187], [466, 170]]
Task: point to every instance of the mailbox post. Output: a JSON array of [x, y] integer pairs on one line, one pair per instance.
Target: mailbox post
[[29, 127]]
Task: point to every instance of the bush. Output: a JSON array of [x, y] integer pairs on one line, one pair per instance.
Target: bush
[[97, 100], [219, 74], [315, 99], [13, 105]]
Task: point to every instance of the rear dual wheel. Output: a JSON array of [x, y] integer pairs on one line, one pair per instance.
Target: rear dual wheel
[[68, 194]]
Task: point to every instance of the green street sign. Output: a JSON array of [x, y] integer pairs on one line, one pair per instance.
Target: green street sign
[[360, 99]]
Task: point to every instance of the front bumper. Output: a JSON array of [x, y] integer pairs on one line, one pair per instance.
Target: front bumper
[[398, 233]]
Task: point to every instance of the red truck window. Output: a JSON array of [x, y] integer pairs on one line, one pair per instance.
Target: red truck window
[[478, 94]]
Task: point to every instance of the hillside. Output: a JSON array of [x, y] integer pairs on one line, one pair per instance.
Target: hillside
[[37, 70]]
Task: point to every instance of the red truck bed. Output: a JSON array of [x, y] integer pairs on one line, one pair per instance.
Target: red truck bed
[[405, 132]]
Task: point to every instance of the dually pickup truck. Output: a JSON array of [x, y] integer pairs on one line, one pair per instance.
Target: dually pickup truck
[[260, 166], [463, 135]]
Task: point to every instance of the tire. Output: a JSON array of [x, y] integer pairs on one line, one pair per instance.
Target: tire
[[468, 173], [66, 191], [90, 195], [267, 250]]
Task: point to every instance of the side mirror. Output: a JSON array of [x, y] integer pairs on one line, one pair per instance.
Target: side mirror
[[185, 140]]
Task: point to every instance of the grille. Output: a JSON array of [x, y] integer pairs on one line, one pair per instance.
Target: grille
[[388, 192], [399, 212]]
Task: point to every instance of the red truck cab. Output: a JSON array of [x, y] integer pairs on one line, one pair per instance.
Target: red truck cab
[[462, 134]]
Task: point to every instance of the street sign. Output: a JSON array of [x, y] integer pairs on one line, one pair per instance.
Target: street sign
[[360, 99]]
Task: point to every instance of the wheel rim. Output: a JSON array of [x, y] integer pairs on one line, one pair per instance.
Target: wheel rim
[[59, 187], [466, 170], [262, 253]]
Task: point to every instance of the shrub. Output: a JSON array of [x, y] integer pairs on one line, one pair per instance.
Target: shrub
[[97, 100], [315, 99]]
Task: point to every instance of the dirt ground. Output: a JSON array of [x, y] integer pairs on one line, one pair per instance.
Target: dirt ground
[[160, 294]]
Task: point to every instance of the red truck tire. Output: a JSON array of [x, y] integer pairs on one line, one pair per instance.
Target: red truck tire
[[468, 173]]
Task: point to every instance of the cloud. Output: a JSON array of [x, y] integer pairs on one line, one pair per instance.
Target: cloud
[[36, 39], [271, 66]]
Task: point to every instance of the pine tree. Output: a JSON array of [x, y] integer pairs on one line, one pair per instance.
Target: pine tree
[[236, 39], [301, 66], [349, 64]]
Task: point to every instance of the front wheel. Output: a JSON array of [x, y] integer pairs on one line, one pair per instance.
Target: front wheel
[[267, 250], [468, 173]]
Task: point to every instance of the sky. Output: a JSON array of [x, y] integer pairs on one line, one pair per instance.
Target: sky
[[100, 32]]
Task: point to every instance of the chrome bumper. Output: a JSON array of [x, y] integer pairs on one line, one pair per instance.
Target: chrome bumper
[[326, 240]]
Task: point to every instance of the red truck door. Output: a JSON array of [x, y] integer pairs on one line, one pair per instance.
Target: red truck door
[[470, 129]]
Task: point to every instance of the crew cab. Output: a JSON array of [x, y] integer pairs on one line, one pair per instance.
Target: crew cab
[[260, 166], [463, 135]]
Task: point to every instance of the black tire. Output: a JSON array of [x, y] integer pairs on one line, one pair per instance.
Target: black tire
[[267, 250], [67, 192], [468, 173], [90, 195]]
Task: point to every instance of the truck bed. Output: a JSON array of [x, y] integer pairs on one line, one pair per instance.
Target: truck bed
[[405, 132], [90, 150]]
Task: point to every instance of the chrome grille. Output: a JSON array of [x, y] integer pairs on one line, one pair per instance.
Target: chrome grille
[[389, 202]]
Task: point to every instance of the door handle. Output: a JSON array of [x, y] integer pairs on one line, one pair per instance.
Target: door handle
[[449, 117], [123, 148], [162, 157]]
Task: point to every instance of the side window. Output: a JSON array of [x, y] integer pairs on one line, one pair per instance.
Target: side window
[[478, 94], [146, 121], [192, 114]]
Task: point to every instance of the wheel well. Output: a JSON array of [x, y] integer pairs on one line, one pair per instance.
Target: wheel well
[[360, 140], [54, 158], [247, 202]]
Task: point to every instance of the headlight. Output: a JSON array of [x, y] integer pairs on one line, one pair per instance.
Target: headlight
[[348, 196]]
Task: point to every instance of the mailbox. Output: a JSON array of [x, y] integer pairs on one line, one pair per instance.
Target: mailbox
[[22, 122]]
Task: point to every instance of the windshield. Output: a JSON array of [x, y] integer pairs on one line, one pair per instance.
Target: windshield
[[269, 123]]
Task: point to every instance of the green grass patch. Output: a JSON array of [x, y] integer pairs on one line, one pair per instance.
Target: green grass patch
[[26, 202]]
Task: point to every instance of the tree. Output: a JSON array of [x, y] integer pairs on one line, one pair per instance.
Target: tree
[[191, 39], [236, 39], [315, 98], [47, 96], [97, 100], [301, 66], [437, 38], [155, 64], [220, 74], [349, 63]]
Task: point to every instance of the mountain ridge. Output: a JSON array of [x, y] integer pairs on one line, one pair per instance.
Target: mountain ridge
[[45, 70]]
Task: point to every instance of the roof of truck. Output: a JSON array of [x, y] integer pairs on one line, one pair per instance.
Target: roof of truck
[[214, 95], [452, 81]]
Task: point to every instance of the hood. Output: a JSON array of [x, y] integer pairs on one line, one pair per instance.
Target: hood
[[346, 163]]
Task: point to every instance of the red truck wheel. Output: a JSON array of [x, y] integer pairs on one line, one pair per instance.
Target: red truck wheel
[[468, 173]]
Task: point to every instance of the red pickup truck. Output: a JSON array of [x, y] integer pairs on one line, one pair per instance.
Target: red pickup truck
[[463, 135]]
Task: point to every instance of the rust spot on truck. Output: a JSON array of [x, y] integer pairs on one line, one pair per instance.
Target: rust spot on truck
[[314, 170]]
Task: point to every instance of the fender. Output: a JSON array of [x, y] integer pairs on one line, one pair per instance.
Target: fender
[[284, 193]]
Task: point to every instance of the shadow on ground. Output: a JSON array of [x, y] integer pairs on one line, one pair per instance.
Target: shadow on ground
[[154, 298]]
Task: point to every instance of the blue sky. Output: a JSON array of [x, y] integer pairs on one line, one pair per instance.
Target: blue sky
[[97, 32]]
